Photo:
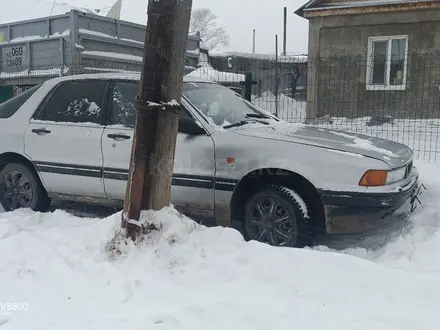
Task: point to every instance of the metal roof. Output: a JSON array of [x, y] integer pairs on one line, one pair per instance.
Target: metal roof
[[320, 4]]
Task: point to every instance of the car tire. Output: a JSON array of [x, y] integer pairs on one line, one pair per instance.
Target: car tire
[[278, 216], [20, 187]]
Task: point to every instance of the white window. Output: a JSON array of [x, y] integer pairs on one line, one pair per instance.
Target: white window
[[387, 63]]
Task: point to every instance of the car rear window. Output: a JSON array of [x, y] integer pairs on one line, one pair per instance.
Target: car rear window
[[8, 108]]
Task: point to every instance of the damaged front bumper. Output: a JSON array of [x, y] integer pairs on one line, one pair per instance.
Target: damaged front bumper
[[357, 212]]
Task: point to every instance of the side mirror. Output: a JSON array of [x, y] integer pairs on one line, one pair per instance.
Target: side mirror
[[188, 126]]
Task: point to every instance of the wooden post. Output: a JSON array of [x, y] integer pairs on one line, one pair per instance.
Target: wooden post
[[248, 83], [157, 110]]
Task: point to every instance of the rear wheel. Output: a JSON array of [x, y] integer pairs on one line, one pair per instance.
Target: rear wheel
[[278, 216], [20, 187]]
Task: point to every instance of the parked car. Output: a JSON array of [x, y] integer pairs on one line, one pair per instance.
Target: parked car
[[236, 165]]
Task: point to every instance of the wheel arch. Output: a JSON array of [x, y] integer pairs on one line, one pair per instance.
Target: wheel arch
[[42, 201], [13, 157], [257, 179]]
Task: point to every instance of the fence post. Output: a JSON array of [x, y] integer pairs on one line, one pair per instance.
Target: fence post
[[248, 83]]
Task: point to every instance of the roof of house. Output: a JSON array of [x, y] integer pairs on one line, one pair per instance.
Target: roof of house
[[322, 4]]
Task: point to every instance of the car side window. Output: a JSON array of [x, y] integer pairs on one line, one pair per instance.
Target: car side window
[[78, 101], [124, 104]]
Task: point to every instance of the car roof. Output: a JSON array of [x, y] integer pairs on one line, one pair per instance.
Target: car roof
[[117, 75]]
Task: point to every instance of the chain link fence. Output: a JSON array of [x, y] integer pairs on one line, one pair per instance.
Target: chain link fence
[[391, 98]]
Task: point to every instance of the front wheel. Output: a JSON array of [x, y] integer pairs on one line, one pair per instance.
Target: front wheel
[[278, 216], [20, 187]]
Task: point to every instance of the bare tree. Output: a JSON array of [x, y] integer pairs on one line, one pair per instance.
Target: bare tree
[[203, 20]]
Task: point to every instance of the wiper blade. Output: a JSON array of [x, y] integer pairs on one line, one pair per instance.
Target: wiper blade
[[258, 115], [244, 122], [240, 123]]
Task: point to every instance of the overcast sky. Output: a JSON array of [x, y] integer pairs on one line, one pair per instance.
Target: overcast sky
[[238, 17]]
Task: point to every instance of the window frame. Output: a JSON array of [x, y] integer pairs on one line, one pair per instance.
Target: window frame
[[51, 93], [370, 64], [109, 113]]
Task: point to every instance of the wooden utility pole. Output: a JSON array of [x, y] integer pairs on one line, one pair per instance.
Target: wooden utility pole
[[157, 110]]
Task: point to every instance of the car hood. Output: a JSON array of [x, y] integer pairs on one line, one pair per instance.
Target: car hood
[[393, 153]]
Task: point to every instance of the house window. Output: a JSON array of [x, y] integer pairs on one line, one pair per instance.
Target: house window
[[387, 63]]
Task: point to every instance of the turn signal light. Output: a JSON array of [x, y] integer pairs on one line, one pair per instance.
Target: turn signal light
[[374, 178]]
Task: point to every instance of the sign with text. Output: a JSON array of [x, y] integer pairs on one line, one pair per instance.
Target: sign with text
[[14, 57]]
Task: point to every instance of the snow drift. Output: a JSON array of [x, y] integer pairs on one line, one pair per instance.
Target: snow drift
[[187, 276]]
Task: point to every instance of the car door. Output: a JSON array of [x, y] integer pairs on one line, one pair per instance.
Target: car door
[[192, 190], [63, 138]]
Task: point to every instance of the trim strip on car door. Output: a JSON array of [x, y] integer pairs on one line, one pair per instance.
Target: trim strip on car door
[[225, 184], [181, 180], [69, 169]]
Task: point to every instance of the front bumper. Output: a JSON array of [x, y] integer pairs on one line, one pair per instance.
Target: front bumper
[[357, 212]]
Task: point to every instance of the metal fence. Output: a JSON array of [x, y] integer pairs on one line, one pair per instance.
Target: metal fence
[[396, 100], [395, 97]]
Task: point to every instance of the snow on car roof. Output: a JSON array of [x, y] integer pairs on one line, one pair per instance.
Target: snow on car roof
[[117, 75]]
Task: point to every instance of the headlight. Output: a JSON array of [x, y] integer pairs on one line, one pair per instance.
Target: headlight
[[375, 178], [396, 175]]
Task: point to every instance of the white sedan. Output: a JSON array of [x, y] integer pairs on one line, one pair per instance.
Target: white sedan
[[71, 137]]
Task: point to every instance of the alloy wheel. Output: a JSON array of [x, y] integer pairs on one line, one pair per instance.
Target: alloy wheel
[[17, 190]]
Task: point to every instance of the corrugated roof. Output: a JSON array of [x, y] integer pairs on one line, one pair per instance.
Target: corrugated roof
[[321, 4]]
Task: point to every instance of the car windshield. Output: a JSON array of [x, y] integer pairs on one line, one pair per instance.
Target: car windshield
[[221, 105]]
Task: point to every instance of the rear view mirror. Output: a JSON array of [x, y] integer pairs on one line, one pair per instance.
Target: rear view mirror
[[188, 126]]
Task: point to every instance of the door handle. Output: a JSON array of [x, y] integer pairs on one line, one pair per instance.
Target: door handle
[[118, 136], [40, 131]]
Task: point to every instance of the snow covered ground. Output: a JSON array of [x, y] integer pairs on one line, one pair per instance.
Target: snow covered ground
[[55, 268]]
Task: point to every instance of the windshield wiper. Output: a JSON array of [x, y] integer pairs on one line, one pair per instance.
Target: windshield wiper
[[244, 122], [240, 123], [258, 115]]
